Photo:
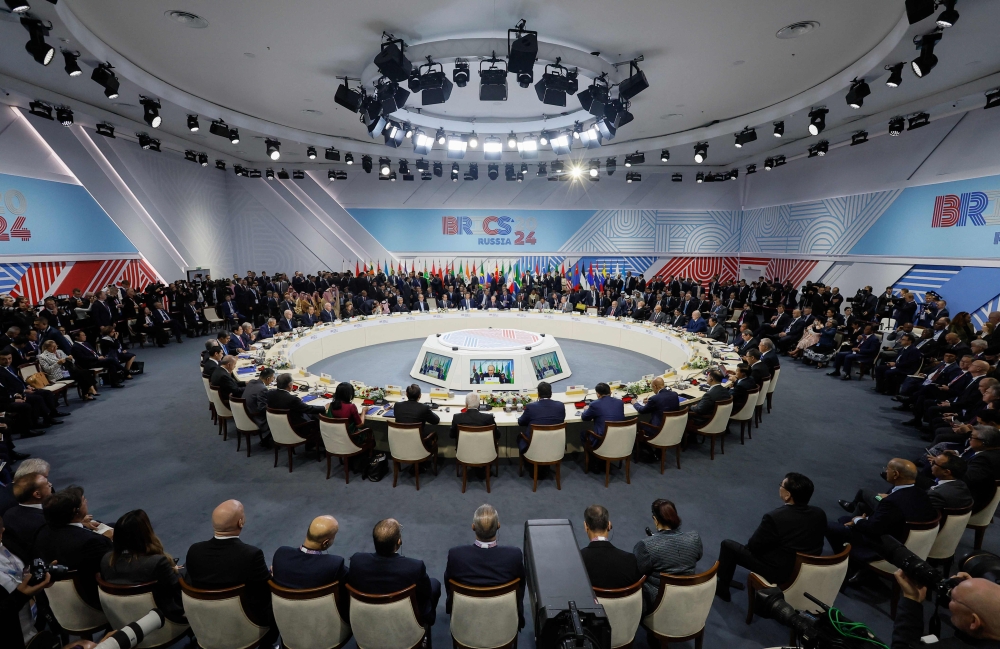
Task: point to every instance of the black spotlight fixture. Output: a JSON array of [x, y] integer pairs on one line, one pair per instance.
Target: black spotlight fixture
[[557, 82], [700, 152], [391, 61], [332, 154], [105, 77], [297, 174], [460, 75], [348, 98], [473, 172], [283, 175], [610, 165], [423, 165], [203, 159], [541, 172], [949, 16], [677, 178], [435, 86], [822, 148], [596, 96], [391, 96], [813, 151], [817, 120], [72, 67], [699, 177], [273, 148], [220, 164], [859, 138], [40, 109], [64, 116], [925, 62], [918, 121], [366, 163], [404, 167], [779, 129], [493, 80], [558, 168], [635, 83], [384, 167], [917, 10], [509, 173], [440, 137], [630, 176], [234, 135], [269, 173], [36, 46], [219, 128], [493, 171], [768, 164], [311, 152], [238, 169], [745, 136], [455, 169], [636, 158], [751, 169], [992, 98], [895, 74], [148, 143], [734, 174], [664, 155], [595, 169], [857, 93], [18, 6], [779, 160], [105, 129], [393, 134], [254, 173], [348, 158], [896, 126], [192, 122], [438, 169], [150, 111], [522, 50]]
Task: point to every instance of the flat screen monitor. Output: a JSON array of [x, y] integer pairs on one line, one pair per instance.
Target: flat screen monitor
[[491, 372], [546, 365], [435, 366]]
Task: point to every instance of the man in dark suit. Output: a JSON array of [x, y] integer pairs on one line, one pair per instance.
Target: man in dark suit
[[792, 332], [865, 352], [301, 415], [544, 412], [163, 325], [930, 394], [889, 376], [309, 565], [607, 566], [225, 561], [938, 375], [215, 356], [948, 490], [704, 409], [23, 520], [399, 306], [794, 527], [663, 400], [715, 330], [740, 385], [959, 403], [873, 515], [387, 571], [223, 379], [268, 329], [43, 403], [287, 322], [472, 417], [600, 411], [327, 314], [412, 411], [776, 325], [194, 319], [984, 466], [485, 563], [746, 342], [64, 539], [308, 319], [768, 355]]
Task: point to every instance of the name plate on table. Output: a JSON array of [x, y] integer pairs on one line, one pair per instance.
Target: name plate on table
[[439, 317], [575, 389], [439, 394], [394, 314], [325, 378], [384, 321], [393, 390]]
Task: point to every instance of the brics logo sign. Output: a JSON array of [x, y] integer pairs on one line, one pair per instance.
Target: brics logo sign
[[497, 230], [971, 208]]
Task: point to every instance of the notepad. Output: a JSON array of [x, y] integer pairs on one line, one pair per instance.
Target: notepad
[[246, 370], [308, 398]]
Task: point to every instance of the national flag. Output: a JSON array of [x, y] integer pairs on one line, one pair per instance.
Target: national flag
[[496, 272], [357, 271], [433, 272], [460, 271], [562, 271], [590, 276], [576, 276], [379, 268]]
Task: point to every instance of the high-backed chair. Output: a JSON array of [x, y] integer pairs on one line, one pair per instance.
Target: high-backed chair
[[339, 444], [222, 411], [59, 388], [982, 519], [681, 607], [211, 405], [245, 426], [73, 614], [483, 617], [476, 448], [616, 445], [406, 446], [820, 576], [546, 447], [218, 618], [386, 621], [759, 410], [284, 436], [309, 618], [949, 535], [212, 318], [126, 604], [771, 386], [717, 425], [623, 607], [670, 434], [746, 413], [919, 541]]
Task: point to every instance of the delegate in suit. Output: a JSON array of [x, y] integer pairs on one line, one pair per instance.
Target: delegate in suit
[[600, 411], [310, 565], [544, 412], [607, 566], [473, 417]]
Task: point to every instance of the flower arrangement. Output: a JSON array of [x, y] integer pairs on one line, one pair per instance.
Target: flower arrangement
[[500, 399], [636, 388], [374, 394], [697, 363], [275, 364], [362, 318]]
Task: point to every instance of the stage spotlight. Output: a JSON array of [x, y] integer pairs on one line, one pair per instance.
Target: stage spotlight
[[493, 171], [18, 6], [528, 147], [606, 126], [39, 109], [423, 165], [283, 175], [254, 173], [745, 136], [949, 16], [72, 67], [700, 152], [192, 123], [594, 98], [332, 154], [859, 138], [426, 175], [349, 99], [917, 10], [541, 172], [822, 147], [404, 167], [438, 169], [457, 146], [331, 175], [393, 134], [391, 61], [555, 84], [376, 126], [105, 78], [311, 153], [992, 98], [493, 80], [220, 165], [895, 75], [557, 168], [234, 135], [508, 172], [544, 138], [677, 178], [779, 160], [473, 141], [523, 50], [590, 137], [383, 166], [366, 163], [147, 142], [460, 75], [269, 174], [492, 148], [512, 141], [633, 176], [64, 116], [576, 130], [473, 172], [635, 159], [812, 152], [768, 164], [391, 96], [454, 172], [635, 83], [699, 177], [751, 169], [779, 129], [524, 79], [896, 125], [711, 178], [734, 174], [610, 165], [856, 95], [413, 83], [422, 143], [238, 169], [273, 148], [440, 136], [919, 120], [219, 128], [191, 156], [349, 158], [562, 143], [203, 159], [150, 111], [925, 62], [371, 108], [664, 155], [36, 45], [435, 87], [595, 168], [297, 174], [817, 120]]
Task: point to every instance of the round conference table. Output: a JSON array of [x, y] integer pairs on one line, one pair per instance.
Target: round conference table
[[305, 347]]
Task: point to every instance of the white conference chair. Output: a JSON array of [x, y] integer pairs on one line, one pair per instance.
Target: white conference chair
[[759, 409], [406, 446], [284, 436], [212, 318], [669, 435], [476, 448], [717, 425], [386, 621], [309, 618], [218, 619], [919, 541], [339, 444], [222, 411], [126, 604], [483, 617], [820, 576], [546, 447], [771, 386], [616, 445], [982, 519], [623, 607], [245, 426], [682, 606], [208, 393], [73, 614], [949, 536], [745, 414], [58, 388]]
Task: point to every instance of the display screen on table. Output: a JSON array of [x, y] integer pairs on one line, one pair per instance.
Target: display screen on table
[[435, 366], [491, 372], [546, 365]]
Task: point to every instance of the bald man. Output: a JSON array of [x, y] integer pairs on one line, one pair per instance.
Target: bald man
[[309, 565], [225, 561], [974, 608], [663, 400], [873, 515]]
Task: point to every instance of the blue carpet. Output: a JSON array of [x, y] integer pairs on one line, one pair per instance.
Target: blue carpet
[[152, 446]]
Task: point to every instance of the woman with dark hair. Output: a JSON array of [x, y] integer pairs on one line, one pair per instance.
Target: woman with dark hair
[[668, 550], [138, 557], [342, 407], [961, 326]]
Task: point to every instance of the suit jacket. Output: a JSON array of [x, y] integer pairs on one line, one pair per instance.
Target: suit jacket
[[740, 392], [227, 384], [78, 549], [223, 563], [544, 412], [770, 358], [981, 475], [909, 504], [753, 343], [602, 411], [285, 325], [783, 532], [265, 332], [22, 523], [909, 359], [706, 405], [208, 368], [472, 565], [53, 334], [718, 332], [609, 567], [794, 328], [666, 400], [749, 318], [294, 568], [380, 575], [411, 412], [298, 411], [759, 373], [11, 381], [327, 316], [869, 346], [952, 494], [470, 418], [697, 326], [306, 320]]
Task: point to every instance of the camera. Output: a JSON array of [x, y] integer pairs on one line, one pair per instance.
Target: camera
[[39, 568], [826, 630], [978, 564]]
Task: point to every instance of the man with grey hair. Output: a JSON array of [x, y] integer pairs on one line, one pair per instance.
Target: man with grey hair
[[485, 563], [768, 355], [223, 379], [473, 417]]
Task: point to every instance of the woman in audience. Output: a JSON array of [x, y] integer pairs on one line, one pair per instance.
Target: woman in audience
[[668, 550], [138, 557], [810, 336], [342, 407], [825, 347], [57, 366], [961, 326]]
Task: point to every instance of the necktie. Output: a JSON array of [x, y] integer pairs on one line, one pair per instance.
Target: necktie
[[163, 314], [956, 378]]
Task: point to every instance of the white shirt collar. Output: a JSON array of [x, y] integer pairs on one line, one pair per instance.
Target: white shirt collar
[[225, 538], [485, 544], [32, 505]]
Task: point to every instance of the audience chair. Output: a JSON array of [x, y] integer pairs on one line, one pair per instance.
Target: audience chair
[[746, 414], [212, 318], [771, 386], [546, 447], [670, 434], [919, 541], [981, 520], [617, 444], [386, 621], [484, 617], [222, 412], [623, 607], [820, 576], [948, 537], [74, 615], [339, 444], [59, 388], [211, 405], [717, 426], [759, 407], [218, 618], [245, 426], [476, 448], [682, 606], [406, 446], [126, 604], [284, 436], [309, 618]]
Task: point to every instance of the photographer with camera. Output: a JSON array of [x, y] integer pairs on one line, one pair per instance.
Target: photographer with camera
[[974, 607], [17, 624]]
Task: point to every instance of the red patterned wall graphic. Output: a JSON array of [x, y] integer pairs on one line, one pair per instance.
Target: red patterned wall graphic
[[704, 268], [37, 280]]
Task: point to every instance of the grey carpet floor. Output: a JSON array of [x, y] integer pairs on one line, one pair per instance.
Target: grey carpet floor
[[153, 446]]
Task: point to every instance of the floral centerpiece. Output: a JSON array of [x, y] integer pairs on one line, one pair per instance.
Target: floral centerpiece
[[500, 399], [636, 388], [274, 363], [697, 363], [371, 394]]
